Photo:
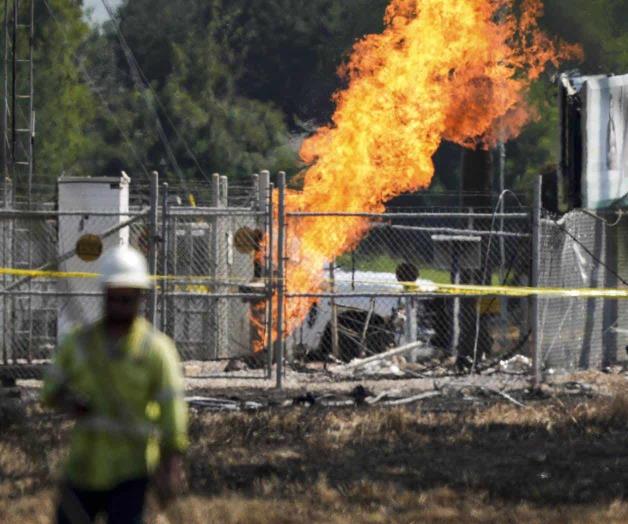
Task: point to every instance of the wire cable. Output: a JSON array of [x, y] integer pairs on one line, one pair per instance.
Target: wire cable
[[588, 251], [620, 215], [91, 84], [128, 54], [485, 270], [134, 64]]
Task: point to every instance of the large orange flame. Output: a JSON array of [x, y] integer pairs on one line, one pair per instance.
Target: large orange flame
[[442, 69]]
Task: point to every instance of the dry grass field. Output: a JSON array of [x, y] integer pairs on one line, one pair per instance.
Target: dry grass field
[[559, 459]]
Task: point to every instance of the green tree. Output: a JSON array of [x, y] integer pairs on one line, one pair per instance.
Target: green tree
[[63, 102], [601, 28]]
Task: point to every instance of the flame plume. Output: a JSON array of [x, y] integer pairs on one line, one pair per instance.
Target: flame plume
[[442, 69]]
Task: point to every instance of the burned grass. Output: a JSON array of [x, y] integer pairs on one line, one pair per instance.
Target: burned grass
[[557, 460]]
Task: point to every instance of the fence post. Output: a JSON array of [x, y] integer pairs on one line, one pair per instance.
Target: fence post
[[7, 261], [225, 257], [215, 257], [281, 184], [503, 303], [153, 238], [165, 257], [224, 191], [266, 202], [335, 345], [257, 201], [534, 282]]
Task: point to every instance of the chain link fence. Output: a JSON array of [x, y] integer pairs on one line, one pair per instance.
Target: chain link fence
[[210, 273], [227, 281], [212, 260], [584, 250], [38, 307], [378, 295]]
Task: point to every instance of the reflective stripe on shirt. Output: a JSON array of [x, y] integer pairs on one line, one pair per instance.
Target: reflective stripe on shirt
[[111, 425]]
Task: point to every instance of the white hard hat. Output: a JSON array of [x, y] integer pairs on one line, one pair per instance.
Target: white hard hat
[[124, 266]]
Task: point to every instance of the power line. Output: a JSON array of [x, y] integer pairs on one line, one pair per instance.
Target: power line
[[91, 84], [134, 64], [128, 54]]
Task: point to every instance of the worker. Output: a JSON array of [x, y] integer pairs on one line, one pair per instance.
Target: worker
[[120, 379]]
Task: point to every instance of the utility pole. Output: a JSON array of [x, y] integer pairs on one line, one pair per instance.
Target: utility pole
[[18, 120], [18, 113]]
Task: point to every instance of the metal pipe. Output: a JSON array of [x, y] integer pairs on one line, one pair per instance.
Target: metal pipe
[[257, 201], [26, 214], [224, 191], [14, 91], [266, 198], [31, 139], [335, 346], [7, 253], [5, 106], [281, 274], [165, 256], [465, 216], [214, 212], [244, 296], [453, 231], [503, 304], [215, 243], [502, 246], [99, 294], [31, 114], [225, 240], [153, 237], [535, 281]]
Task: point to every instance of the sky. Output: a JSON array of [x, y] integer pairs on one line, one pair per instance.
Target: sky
[[100, 14]]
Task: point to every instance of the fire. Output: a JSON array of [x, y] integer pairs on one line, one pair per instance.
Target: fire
[[442, 69]]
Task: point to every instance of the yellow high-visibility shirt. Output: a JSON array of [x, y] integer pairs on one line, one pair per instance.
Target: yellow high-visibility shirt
[[135, 399]]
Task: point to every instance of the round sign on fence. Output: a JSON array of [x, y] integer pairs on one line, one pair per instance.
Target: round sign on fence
[[247, 240], [406, 272], [89, 247]]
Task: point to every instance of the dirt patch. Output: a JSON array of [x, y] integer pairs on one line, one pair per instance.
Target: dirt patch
[[561, 458]]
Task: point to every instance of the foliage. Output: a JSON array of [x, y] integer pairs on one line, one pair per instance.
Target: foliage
[[233, 85], [62, 101]]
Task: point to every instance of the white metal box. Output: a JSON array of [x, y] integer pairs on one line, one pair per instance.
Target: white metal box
[[109, 195]]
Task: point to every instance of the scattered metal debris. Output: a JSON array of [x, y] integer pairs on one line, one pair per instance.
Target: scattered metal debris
[[516, 365], [413, 398]]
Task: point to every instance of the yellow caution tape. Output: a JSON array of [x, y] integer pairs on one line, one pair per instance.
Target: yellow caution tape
[[38, 273], [409, 287], [510, 291]]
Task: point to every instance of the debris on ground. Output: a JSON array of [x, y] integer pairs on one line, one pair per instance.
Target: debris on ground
[[518, 364]]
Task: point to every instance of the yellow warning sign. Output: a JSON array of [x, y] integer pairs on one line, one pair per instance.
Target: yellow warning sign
[[89, 247]]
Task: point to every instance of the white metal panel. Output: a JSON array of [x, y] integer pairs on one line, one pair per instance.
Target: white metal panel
[[605, 141], [98, 194]]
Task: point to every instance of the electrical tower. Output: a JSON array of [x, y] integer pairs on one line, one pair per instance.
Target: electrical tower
[[18, 129], [18, 114]]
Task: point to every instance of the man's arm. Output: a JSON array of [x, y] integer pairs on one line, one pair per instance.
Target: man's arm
[[173, 423], [173, 420], [58, 374], [56, 390]]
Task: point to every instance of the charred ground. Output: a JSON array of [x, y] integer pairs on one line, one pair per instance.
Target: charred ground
[[461, 458]]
